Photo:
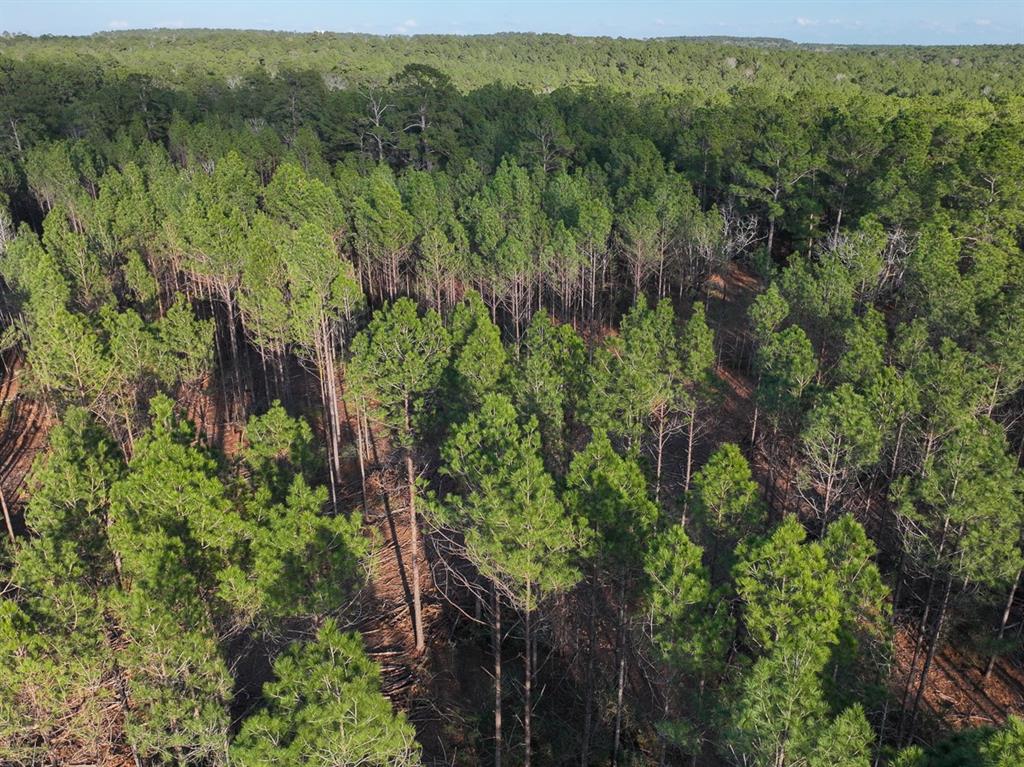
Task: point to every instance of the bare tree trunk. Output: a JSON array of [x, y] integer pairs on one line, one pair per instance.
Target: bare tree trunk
[[690, 429], [665, 709], [7, 516], [1002, 625], [661, 452], [417, 608], [496, 606], [621, 684], [361, 440], [933, 644], [528, 686], [881, 732], [588, 690], [920, 635]]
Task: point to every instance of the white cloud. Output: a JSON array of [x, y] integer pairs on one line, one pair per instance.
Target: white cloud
[[118, 24], [406, 27], [803, 21], [173, 24], [983, 22]]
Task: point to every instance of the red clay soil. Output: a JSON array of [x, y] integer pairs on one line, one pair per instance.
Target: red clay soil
[[956, 695], [24, 424]]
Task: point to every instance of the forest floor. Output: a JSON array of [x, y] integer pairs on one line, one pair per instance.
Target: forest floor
[[23, 428]]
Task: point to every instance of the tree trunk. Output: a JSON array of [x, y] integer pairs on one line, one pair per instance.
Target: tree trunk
[[920, 634], [661, 452], [496, 607], [879, 747], [588, 690], [690, 429], [361, 440], [933, 644], [1002, 626], [621, 683], [417, 608], [665, 709], [528, 686], [896, 450], [7, 516]]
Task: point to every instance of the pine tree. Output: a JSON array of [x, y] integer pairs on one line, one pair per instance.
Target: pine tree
[[517, 532], [611, 494], [325, 706], [397, 364], [690, 628], [725, 501], [840, 440]]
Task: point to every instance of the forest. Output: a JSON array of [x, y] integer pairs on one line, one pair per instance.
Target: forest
[[512, 400]]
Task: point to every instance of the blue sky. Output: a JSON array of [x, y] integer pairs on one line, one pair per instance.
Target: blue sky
[[854, 21]]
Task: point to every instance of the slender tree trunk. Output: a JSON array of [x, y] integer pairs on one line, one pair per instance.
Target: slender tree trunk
[[933, 644], [995, 395], [879, 747], [621, 683], [665, 710], [361, 440], [588, 689], [661, 452], [896, 450], [417, 608], [828, 491], [7, 515], [920, 637], [496, 608], [236, 351], [528, 685], [1002, 626], [690, 429]]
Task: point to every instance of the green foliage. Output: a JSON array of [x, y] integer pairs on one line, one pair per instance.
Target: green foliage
[[789, 591], [478, 356], [611, 494], [690, 625], [980, 746], [551, 383], [780, 716], [841, 438], [971, 489], [638, 387], [725, 499], [325, 704], [517, 531], [204, 219], [787, 366], [397, 362], [278, 447]]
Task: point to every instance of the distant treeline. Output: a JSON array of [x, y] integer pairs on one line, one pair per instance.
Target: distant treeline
[[712, 66]]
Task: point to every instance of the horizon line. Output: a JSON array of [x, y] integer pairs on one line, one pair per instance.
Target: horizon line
[[8, 34]]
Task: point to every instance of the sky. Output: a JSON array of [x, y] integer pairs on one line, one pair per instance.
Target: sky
[[853, 21]]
